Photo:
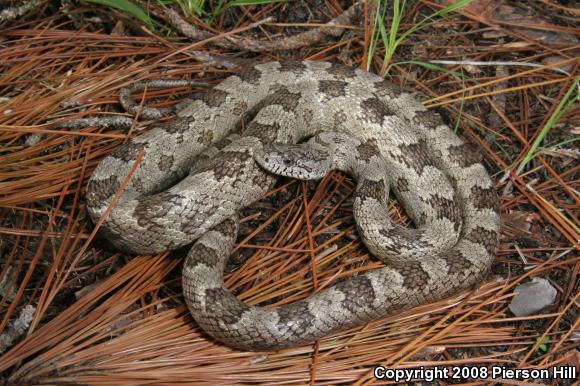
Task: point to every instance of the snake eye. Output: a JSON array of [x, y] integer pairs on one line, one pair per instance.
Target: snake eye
[[287, 161]]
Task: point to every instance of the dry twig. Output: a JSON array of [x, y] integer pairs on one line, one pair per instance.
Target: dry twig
[[334, 28]]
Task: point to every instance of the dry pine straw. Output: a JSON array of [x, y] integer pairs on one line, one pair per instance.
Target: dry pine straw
[[128, 323]]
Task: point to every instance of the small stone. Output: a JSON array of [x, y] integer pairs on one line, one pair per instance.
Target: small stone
[[532, 297]]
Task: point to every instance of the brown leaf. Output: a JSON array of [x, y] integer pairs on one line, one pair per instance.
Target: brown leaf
[[516, 20]]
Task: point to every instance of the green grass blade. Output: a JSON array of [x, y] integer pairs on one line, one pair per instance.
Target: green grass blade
[[237, 3], [393, 40], [564, 105], [441, 12], [127, 7], [192, 6], [377, 25], [433, 67], [222, 6]]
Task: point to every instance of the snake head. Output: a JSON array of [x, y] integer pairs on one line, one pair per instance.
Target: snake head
[[297, 161]]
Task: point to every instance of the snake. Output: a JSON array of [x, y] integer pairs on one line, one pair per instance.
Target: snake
[[223, 151]]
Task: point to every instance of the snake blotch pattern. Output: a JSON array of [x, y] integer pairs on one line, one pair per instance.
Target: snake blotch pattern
[[200, 169]]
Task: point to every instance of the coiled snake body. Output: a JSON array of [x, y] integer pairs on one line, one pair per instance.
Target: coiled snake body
[[443, 186]]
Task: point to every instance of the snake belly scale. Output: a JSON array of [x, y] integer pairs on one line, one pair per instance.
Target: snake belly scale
[[197, 174]]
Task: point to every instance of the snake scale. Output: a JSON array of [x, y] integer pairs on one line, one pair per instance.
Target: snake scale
[[197, 173]]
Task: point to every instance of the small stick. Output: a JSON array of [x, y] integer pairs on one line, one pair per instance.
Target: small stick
[[333, 28], [11, 13], [154, 112]]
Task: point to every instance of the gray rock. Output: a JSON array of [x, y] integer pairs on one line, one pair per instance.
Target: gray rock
[[532, 297]]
